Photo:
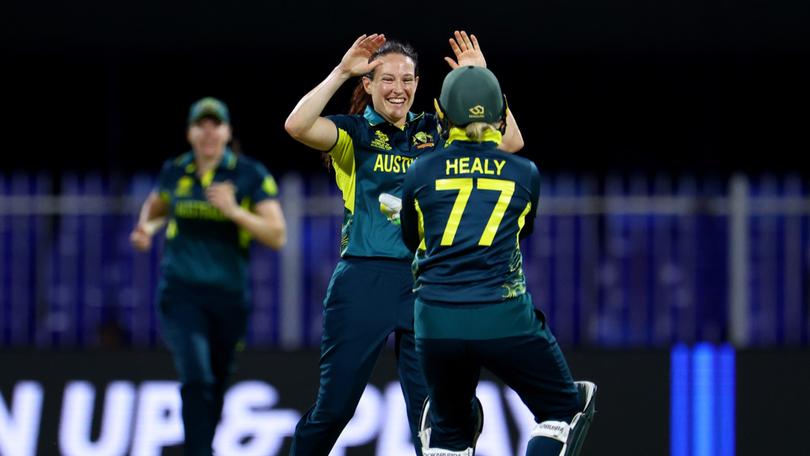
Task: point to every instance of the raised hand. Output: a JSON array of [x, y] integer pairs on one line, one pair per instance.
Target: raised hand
[[466, 50], [355, 61]]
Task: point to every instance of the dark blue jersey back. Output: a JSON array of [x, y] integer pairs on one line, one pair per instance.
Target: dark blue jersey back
[[465, 208]]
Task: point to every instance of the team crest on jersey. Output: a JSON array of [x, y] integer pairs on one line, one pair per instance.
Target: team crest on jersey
[[184, 185], [422, 140], [380, 141]]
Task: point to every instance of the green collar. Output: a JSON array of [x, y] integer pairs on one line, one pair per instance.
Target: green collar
[[458, 134], [228, 161], [374, 118]]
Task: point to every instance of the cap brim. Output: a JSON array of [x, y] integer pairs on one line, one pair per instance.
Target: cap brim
[[208, 115]]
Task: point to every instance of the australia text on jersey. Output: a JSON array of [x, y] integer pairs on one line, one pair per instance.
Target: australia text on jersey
[[389, 163]]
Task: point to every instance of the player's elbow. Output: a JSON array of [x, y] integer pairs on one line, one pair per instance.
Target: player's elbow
[[411, 247], [290, 127], [514, 144], [411, 242], [294, 128], [519, 143], [277, 238], [281, 240]]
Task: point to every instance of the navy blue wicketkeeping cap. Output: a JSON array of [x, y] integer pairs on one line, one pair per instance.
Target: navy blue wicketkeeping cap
[[208, 107]]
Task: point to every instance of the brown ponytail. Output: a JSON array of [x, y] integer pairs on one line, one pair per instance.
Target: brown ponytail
[[360, 99]]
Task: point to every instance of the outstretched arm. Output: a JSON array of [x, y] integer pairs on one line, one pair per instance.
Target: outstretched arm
[[467, 51], [305, 122]]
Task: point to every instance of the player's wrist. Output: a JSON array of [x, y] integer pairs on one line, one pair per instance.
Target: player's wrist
[[234, 212], [342, 73], [143, 228]]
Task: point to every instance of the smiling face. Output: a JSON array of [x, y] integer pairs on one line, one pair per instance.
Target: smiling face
[[208, 138], [393, 87]]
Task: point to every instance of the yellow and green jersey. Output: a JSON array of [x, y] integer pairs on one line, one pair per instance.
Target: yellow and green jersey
[[203, 247], [464, 210], [370, 159]]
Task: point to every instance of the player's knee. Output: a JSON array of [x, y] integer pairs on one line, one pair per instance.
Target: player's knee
[[335, 413], [568, 438], [582, 420], [543, 446], [424, 425], [194, 371], [197, 388], [424, 431]]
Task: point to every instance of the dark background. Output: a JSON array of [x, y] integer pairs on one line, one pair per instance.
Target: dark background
[[703, 86]]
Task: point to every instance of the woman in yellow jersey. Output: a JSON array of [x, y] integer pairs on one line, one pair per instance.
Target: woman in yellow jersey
[[215, 202], [369, 296], [463, 213]]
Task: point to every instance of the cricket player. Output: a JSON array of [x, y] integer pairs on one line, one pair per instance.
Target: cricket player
[[464, 210], [370, 294], [215, 202]]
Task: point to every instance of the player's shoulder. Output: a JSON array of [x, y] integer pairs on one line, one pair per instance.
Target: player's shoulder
[[429, 159], [520, 162], [181, 160], [423, 121], [249, 165], [354, 118], [419, 171], [178, 162], [246, 161], [351, 123]]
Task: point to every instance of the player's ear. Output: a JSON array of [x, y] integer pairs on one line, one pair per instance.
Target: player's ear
[[367, 84]]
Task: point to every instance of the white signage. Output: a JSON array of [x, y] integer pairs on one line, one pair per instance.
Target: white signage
[[141, 419]]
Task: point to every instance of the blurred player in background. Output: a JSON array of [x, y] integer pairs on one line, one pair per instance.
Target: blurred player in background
[[370, 295], [463, 212], [215, 202]]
